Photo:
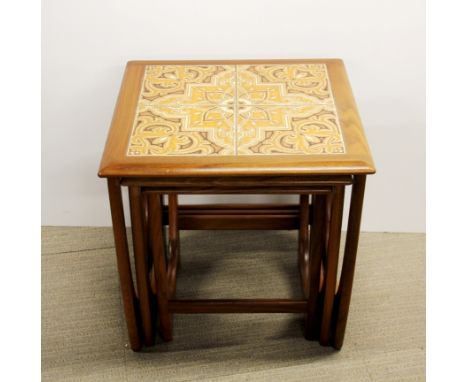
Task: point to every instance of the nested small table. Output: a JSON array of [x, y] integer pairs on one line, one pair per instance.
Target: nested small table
[[235, 127]]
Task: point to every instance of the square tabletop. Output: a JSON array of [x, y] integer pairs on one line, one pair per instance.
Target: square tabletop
[[249, 117]]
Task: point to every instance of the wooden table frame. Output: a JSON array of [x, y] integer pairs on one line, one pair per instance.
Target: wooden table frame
[[318, 218], [160, 149]]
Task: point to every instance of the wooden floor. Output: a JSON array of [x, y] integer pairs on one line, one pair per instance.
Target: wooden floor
[[83, 332]]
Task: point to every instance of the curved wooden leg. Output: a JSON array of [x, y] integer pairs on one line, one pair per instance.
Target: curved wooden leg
[[160, 269], [174, 244], [123, 263], [331, 266], [317, 233], [343, 297], [149, 213], [303, 247], [146, 228], [139, 251]]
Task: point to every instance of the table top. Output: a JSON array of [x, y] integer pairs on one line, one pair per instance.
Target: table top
[[249, 117]]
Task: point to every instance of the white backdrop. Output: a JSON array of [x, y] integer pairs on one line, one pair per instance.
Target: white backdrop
[[86, 44]]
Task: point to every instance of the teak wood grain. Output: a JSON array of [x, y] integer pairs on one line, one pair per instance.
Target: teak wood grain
[[140, 250], [356, 160], [123, 264]]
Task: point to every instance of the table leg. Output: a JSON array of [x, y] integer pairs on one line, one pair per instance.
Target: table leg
[[317, 233], [303, 245], [174, 243], [160, 269], [149, 247], [146, 229], [123, 262], [343, 297], [331, 266], [139, 251]]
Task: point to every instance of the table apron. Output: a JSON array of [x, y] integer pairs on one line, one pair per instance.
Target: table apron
[[240, 185]]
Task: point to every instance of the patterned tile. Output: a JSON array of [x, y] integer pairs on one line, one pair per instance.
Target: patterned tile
[[235, 110], [284, 84], [307, 129], [188, 130], [187, 85]]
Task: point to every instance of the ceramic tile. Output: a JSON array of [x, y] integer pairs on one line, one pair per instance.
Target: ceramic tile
[[235, 110], [187, 85], [188, 130], [307, 129], [283, 84]]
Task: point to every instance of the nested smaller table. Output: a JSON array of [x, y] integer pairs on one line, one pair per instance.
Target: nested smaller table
[[236, 127]]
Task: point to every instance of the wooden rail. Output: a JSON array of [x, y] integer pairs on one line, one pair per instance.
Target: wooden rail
[[236, 216]]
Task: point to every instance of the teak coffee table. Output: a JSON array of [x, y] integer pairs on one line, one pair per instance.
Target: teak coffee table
[[235, 127]]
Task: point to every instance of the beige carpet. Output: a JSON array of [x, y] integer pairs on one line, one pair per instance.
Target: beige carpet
[[83, 332]]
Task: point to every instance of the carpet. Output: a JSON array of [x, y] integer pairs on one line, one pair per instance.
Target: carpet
[[84, 336]]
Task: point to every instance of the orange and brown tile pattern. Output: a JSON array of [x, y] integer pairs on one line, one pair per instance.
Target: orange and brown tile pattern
[[235, 110]]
